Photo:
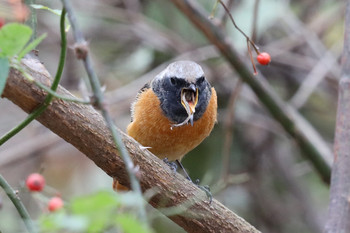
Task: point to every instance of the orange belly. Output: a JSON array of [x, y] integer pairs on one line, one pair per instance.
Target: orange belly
[[152, 129]]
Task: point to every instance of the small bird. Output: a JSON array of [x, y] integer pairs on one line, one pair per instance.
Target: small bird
[[175, 112]]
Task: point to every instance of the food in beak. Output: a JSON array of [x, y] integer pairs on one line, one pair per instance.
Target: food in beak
[[189, 99]]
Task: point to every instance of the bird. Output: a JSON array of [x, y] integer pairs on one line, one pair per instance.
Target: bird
[[173, 113]]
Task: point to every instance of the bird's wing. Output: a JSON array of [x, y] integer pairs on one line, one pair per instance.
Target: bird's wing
[[143, 89]]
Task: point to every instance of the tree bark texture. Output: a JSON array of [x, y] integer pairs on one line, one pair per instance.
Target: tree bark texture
[[83, 127], [339, 207]]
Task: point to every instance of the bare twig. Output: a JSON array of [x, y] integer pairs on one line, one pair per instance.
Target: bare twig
[[32, 20], [228, 124], [240, 30], [309, 37], [311, 81], [283, 167], [150, 31], [28, 149], [255, 19], [224, 16]]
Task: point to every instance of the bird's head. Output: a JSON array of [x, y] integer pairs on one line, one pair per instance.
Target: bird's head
[[183, 91]]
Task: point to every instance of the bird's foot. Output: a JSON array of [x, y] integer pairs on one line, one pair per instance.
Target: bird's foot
[[206, 189], [171, 164]]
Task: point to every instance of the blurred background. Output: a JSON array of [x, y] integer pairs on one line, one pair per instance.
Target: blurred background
[[252, 166]]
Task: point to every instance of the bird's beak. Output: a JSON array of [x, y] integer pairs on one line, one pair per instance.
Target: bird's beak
[[189, 99]]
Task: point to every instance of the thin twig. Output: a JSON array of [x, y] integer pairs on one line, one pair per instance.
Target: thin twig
[[23, 124], [305, 35], [255, 19], [240, 30], [54, 86], [228, 124], [212, 14], [58, 96], [251, 58], [81, 45], [284, 171], [311, 81], [224, 15], [32, 21], [30, 148], [47, 89], [18, 204]]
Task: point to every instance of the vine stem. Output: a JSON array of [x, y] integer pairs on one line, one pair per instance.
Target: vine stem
[[18, 204], [32, 21], [48, 90], [82, 53], [54, 86]]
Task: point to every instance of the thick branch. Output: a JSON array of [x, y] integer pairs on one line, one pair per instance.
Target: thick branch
[[339, 207], [85, 129]]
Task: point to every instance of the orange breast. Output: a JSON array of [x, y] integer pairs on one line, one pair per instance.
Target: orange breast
[[152, 129]]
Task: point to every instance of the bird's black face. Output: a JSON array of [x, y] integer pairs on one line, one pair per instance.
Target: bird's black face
[[180, 97]]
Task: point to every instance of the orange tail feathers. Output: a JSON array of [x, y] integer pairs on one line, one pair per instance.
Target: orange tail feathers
[[119, 187]]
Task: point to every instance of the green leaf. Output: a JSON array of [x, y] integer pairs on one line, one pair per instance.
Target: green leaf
[[4, 71], [13, 38], [32, 45], [59, 221], [129, 224], [98, 208], [91, 204], [41, 7]]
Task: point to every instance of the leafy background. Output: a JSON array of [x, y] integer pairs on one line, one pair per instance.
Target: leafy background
[[259, 173]]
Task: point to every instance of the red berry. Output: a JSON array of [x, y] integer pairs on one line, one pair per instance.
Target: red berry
[[55, 203], [264, 58], [35, 182], [2, 22]]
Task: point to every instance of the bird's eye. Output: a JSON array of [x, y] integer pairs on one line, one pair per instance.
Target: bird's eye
[[173, 80], [200, 80]]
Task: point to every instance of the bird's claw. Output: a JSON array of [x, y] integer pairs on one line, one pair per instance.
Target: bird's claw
[[171, 164], [206, 189]]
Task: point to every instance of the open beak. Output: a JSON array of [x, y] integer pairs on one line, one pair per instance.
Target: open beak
[[189, 99]]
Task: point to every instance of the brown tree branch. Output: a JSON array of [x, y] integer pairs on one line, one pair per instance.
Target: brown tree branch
[[339, 208], [85, 129]]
